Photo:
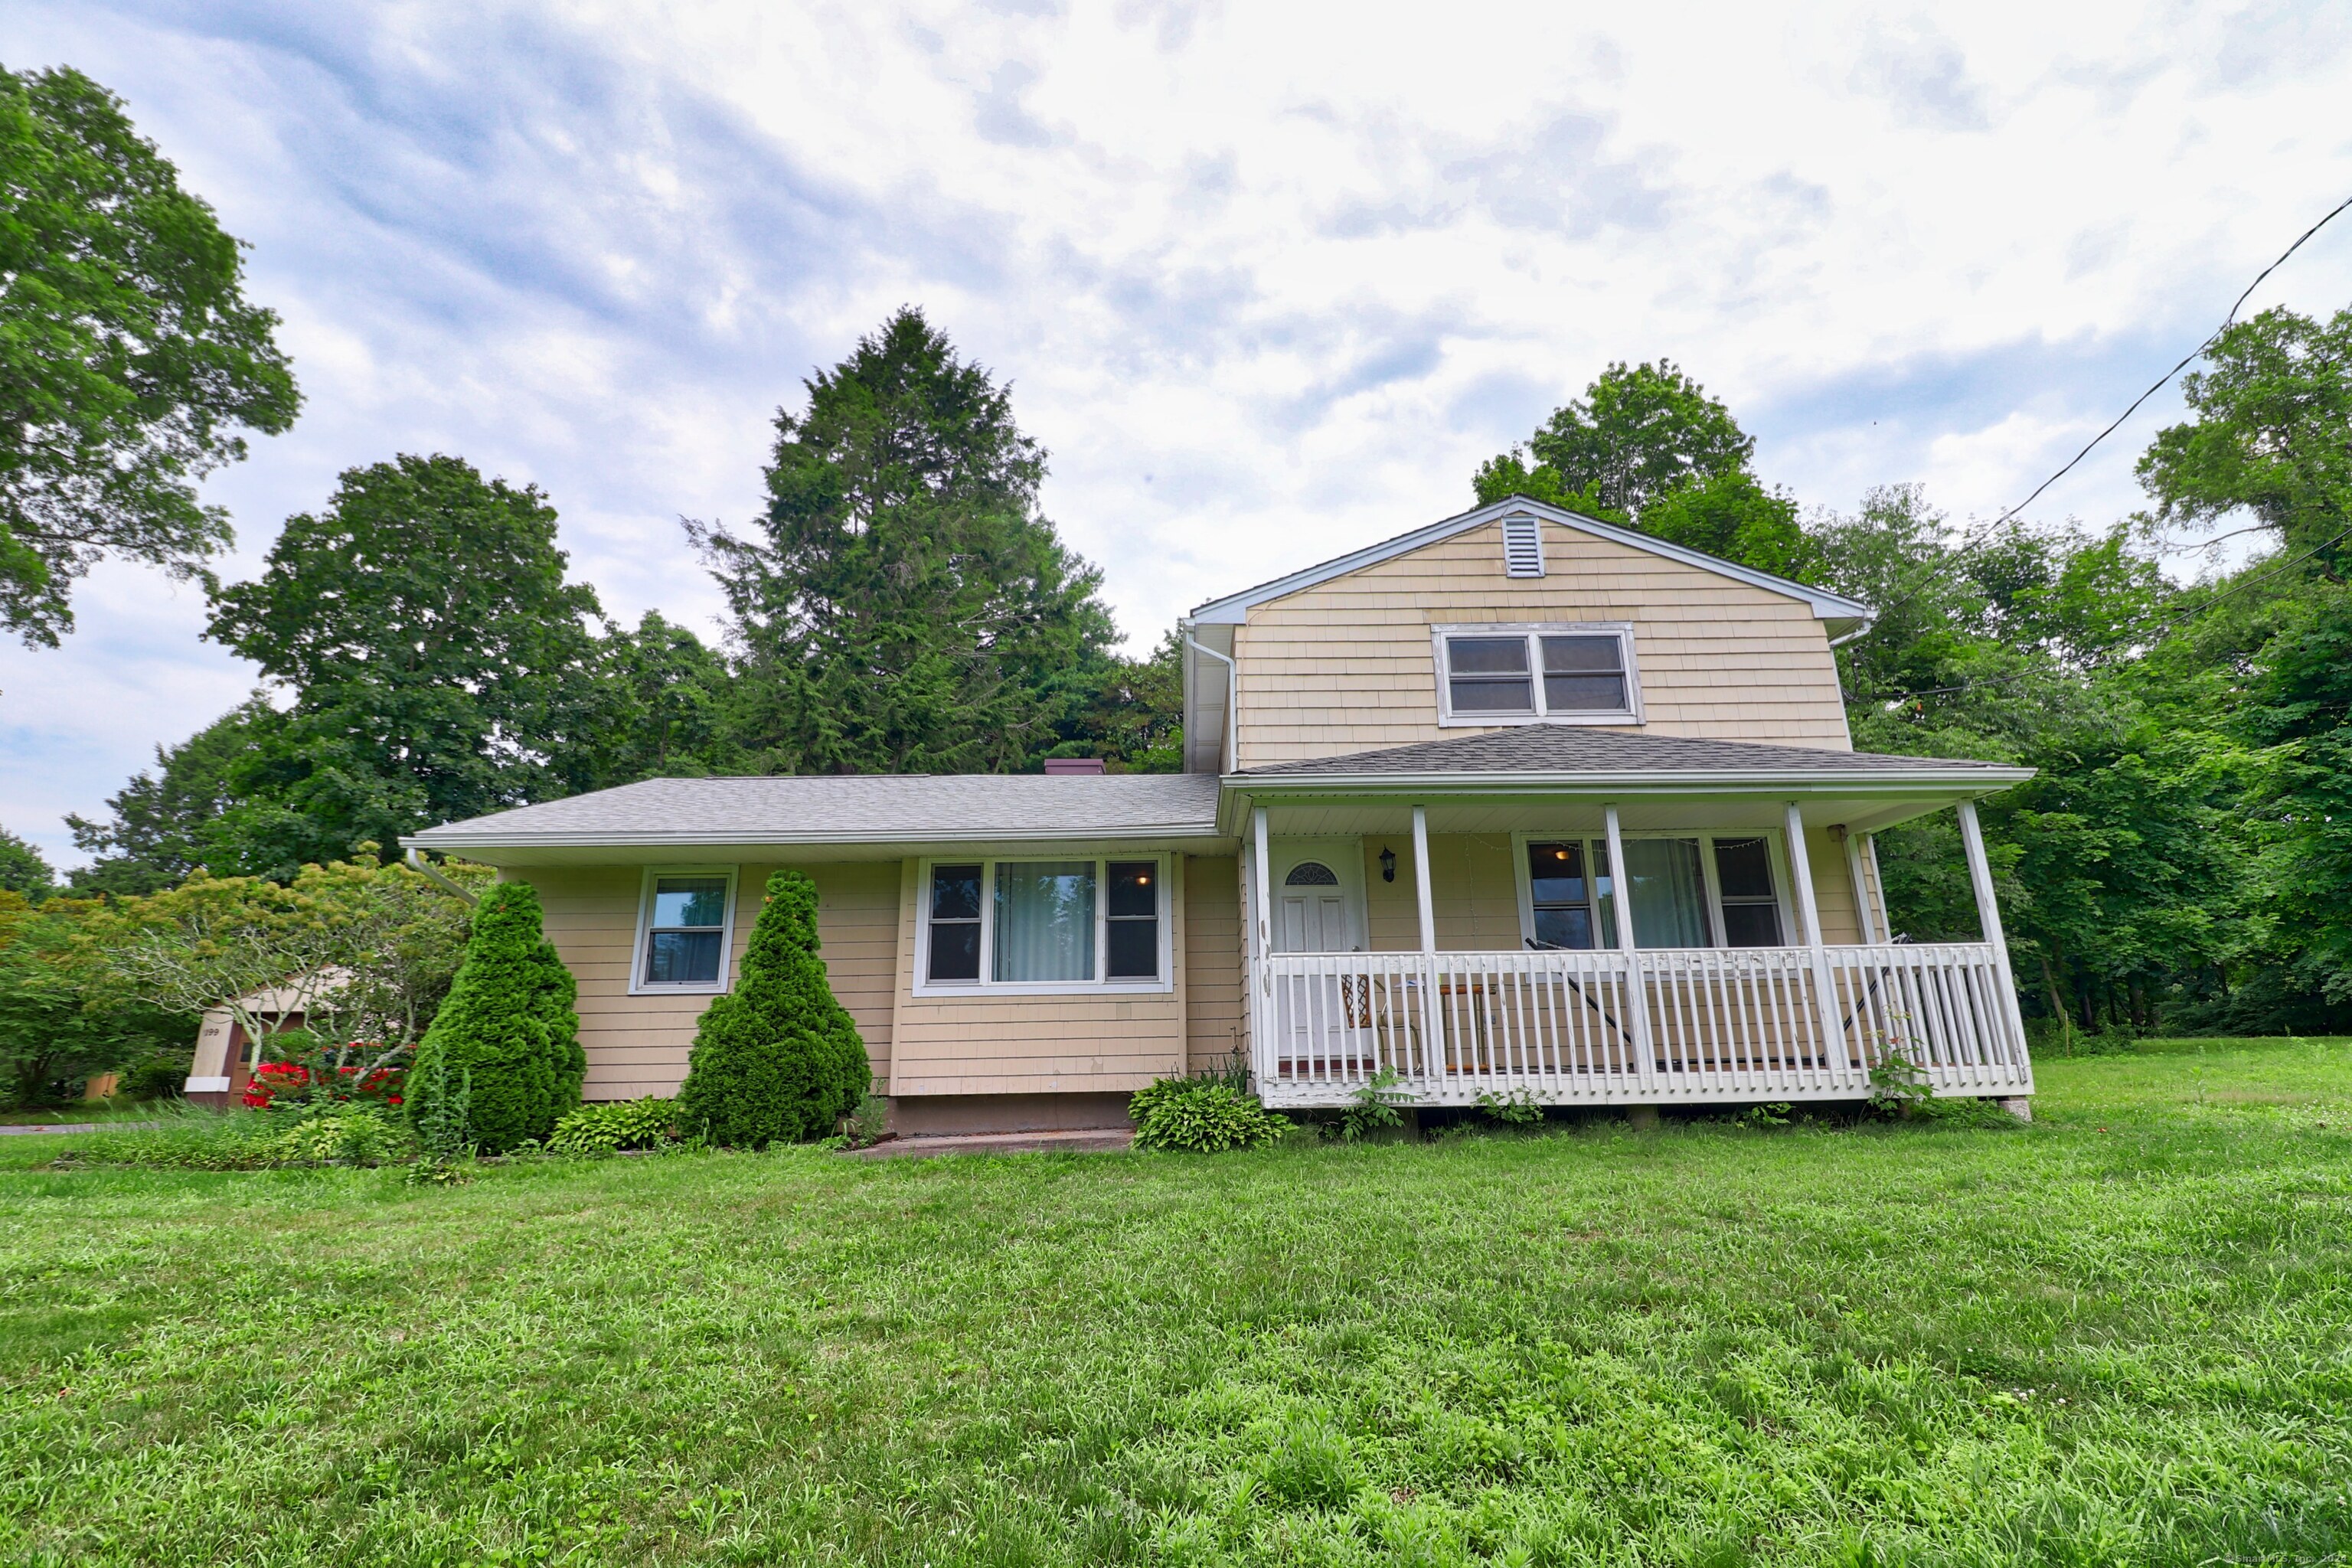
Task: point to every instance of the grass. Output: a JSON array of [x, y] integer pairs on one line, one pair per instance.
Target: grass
[[2117, 1336]]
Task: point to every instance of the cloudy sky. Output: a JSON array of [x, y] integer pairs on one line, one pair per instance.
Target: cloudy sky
[[1269, 281]]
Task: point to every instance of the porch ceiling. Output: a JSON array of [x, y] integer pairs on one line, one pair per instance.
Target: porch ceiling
[[1536, 812]]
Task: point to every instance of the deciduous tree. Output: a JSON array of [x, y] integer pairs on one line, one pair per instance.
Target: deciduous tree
[[129, 358]]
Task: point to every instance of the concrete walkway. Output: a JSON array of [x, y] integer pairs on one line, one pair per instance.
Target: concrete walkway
[[23, 1127], [1090, 1140]]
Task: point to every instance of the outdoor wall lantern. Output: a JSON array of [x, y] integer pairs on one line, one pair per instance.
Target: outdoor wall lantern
[[1388, 864]]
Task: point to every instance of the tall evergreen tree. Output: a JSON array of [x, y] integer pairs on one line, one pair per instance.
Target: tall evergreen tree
[[507, 1038], [904, 607], [778, 1057]]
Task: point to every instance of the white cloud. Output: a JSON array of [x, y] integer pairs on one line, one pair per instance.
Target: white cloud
[[1270, 280]]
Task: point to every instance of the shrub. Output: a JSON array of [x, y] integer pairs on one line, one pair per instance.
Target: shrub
[[1201, 1116], [777, 1057], [507, 1031], [869, 1122], [644, 1123], [281, 1084], [157, 1075], [1373, 1106], [349, 1134]]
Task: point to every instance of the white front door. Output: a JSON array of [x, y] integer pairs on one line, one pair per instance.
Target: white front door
[[1318, 908], [1319, 895]]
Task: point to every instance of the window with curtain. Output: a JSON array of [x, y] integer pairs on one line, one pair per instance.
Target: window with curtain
[[686, 929], [1044, 920], [1057, 924], [1571, 896]]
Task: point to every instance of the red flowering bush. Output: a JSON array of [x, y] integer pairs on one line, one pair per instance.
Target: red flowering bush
[[292, 1081]]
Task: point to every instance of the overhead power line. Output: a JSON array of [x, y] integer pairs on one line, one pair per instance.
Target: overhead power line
[[2157, 385]]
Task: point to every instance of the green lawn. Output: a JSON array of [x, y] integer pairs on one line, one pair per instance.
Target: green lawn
[[2119, 1336]]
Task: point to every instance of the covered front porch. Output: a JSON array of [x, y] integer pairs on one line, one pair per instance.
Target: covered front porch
[[1468, 932]]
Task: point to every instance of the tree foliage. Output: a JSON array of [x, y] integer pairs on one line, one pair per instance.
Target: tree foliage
[[904, 608], [57, 1028], [777, 1057], [2272, 435], [1647, 446], [507, 1037], [129, 359], [439, 661], [23, 869]]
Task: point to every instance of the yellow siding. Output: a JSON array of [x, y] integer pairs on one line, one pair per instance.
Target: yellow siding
[[638, 1044], [1215, 1019], [1345, 666]]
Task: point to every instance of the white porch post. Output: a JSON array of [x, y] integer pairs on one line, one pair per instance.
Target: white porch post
[[1265, 1026], [1421, 879], [1261, 884], [1800, 871], [1989, 916], [1620, 899], [1431, 1015]]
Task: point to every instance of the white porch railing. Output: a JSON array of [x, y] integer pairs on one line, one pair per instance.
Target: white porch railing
[[1709, 1025]]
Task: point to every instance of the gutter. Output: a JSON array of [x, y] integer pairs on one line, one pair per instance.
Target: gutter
[[1060, 835], [1644, 782]]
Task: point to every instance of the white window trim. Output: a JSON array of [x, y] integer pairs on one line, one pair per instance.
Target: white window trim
[[1778, 852], [1622, 630], [638, 984], [985, 987]]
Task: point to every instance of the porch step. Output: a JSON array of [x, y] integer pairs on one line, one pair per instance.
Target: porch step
[[1082, 1140]]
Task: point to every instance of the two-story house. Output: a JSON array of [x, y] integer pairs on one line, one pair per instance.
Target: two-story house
[[1517, 802]]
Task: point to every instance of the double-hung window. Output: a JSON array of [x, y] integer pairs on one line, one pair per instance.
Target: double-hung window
[[685, 925], [1045, 925], [1563, 674], [1687, 890]]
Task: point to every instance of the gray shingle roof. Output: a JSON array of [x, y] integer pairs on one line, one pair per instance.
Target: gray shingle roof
[[856, 809], [1560, 748]]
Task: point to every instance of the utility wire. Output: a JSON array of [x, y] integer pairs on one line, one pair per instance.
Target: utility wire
[[2162, 631], [2190, 358]]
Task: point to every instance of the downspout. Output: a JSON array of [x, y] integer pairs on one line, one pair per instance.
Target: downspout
[[1232, 756], [416, 862]]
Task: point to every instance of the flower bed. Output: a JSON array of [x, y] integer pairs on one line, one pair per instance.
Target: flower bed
[[382, 1086]]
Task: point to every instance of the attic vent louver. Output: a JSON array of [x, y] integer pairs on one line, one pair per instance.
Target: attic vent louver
[[1522, 547]]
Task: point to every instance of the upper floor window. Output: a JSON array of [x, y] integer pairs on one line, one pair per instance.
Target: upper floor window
[[1537, 674], [1055, 925]]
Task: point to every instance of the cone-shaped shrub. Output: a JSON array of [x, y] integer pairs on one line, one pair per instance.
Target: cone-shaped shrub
[[506, 1036], [777, 1057]]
